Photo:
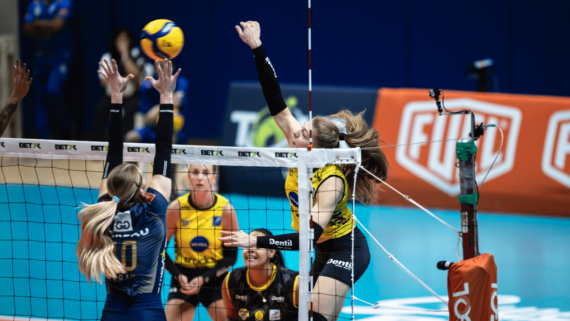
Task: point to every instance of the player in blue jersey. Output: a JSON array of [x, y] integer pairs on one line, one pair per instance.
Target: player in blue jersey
[[123, 236], [48, 21]]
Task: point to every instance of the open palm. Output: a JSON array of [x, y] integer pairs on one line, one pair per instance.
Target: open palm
[[111, 73]]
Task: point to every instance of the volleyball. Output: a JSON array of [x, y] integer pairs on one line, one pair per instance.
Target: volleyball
[[161, 39]]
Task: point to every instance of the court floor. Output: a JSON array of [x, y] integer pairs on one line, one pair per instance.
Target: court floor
[[39, 276]]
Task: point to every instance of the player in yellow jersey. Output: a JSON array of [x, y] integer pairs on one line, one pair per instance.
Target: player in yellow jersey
[[333, 185], [196, 219]]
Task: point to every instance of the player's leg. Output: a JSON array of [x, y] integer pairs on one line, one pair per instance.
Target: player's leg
[[179, 310], [217, 310], [328, 297]]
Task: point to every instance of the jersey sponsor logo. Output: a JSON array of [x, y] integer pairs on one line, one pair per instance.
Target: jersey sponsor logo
[[178, 151], [123, 222], [435, 162], [148, 197], [30, 145], [241, 297], [65, 147], [278, 298], [286, 243], [285, 155], [184, 223], [99, 148], [217, 221], [259, 314], [136, 234], [274, 314], [138, 150], [294, 198], [199, 244], [341, 264], [248, 154], [243, 314], [173, 289], [201, 262], [556, 153], [290, 171], [212, 152]]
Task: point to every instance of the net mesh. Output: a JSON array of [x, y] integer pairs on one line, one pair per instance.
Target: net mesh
[[41, 193]]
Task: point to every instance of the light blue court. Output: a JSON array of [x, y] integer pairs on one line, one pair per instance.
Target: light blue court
[[39, 276]]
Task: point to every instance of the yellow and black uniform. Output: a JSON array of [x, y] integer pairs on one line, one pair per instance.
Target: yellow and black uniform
[[340, 223], [279, 295], [333, 253], [199, 252]]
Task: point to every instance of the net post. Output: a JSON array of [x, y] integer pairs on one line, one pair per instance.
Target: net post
[[356, 168], [304, 189], [466, 152]]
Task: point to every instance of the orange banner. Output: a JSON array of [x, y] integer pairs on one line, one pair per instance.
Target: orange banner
[[531, 174]]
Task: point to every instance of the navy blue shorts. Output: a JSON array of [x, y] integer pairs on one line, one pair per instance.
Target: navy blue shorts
[[332, 258], [142, 307]]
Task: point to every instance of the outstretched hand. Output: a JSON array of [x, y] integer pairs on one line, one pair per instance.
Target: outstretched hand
[[110, 72], [21, 83], [250, 33], [240, 238], [166, 83]]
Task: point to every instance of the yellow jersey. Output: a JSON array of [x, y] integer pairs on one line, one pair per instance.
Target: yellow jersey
[[340, 223], [197, 233]]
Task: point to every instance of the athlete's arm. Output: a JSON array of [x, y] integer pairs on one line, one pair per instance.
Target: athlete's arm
[[21, 87], [229, 305], [110, 72], [268, 80], [330, 192], [165, 85]]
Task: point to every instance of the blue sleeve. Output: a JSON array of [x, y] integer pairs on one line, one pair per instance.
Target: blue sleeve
[[30, 17], [158, 204], [64, 10]]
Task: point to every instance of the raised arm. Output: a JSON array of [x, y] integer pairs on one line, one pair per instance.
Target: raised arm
[[268, 80], [118, 84], [21, 87], [165, 85]]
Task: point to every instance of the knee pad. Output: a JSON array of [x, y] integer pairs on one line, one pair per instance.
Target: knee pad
[[318, 317]]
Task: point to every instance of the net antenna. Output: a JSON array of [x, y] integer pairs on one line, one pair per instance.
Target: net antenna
[[310, 85]]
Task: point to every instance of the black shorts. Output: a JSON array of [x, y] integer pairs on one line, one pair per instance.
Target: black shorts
[[209, 293], [332, 258]]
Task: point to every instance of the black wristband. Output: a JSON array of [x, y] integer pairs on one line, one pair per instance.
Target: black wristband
[[268, 80], [286, 241], [163, 141], [115, 152], [171, 267]]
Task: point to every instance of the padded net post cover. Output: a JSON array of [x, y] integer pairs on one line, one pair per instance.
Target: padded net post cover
[[472, 289]]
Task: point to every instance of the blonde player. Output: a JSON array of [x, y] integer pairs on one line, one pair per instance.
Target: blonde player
[[202, 261], [333, 184]]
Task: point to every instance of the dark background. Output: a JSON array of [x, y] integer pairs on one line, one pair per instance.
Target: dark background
[[406, 43]]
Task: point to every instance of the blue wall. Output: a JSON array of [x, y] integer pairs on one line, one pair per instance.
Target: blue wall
[[408, 43]]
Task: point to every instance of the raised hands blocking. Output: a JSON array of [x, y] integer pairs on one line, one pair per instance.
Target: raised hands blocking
[[166, 83], [21, 83], [110, 72], [250, 33]]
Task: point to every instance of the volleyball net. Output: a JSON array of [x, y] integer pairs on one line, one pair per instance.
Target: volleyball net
[[43, 184]]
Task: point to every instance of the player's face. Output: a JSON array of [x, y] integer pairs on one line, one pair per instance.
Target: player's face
[[301, 137], [255, 257], [202, 177]]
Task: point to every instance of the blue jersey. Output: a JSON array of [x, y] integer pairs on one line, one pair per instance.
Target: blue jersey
[[61, 42], [140, 242]]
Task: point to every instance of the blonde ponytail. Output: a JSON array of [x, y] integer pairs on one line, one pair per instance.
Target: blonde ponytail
[[358, 134], [95, 249]]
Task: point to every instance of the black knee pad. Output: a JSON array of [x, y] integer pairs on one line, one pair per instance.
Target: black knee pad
[[318, 317]]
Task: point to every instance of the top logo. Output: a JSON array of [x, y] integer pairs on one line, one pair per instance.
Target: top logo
[[435, 162]]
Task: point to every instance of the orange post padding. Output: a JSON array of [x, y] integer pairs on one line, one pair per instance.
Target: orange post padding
[[472, 289]]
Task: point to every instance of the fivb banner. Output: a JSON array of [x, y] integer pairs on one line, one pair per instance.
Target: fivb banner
[[249, 124], [531, 174]]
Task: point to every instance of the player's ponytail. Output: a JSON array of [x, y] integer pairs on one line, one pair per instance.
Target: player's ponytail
[[95, 248], [277, 259], [358, 134]]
